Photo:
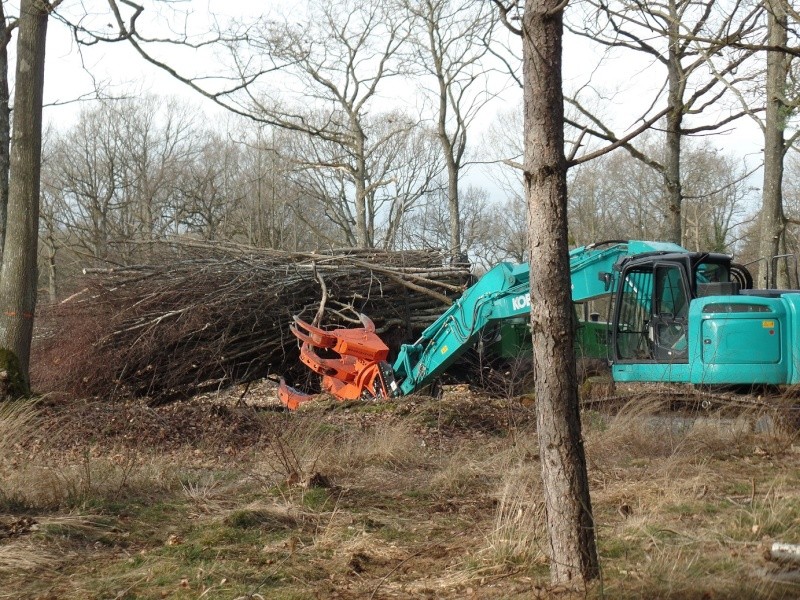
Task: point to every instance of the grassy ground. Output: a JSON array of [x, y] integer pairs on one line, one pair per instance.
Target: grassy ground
[[415, 499]]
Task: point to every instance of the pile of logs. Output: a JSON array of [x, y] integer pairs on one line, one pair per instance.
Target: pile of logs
[[204, 316]]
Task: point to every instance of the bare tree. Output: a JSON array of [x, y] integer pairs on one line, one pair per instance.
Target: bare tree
[[398, 163], [84, 178], [716, 193], [51, 244], [7, 25], [115, 175], [158, 142], [412, 164], [208, 187], [508, 232], [568, 511], [18, 277], [778, 109], [268, 212], [791, 201], [428, 225], [330, 62], [566, 486], [617, 196], [50, 232], [336, 62], [452, 41], [691, 40], [505, 139]]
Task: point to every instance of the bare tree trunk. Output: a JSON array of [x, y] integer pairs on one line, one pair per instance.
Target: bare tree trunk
[[51, 246], [360, 181], [452, 156], [19, 273], [458, 37], [454, 209], [773, 221], [570, 526], [672, 168], [5, 126]]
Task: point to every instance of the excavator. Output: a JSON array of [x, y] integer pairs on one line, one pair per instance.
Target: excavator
[[671, 315]]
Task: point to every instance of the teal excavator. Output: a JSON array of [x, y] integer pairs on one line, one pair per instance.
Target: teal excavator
[[671, 315]]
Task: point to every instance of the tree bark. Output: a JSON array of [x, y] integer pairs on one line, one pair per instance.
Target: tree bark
[[18, 277], [5, 126], [452, 154], [674, 134], [454, 209], [773, 221], [573, 553], [51, 245], [363, 237]]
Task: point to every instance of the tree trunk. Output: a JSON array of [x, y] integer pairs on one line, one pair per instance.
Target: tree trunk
[[453, 164], [570, 527], [51, 246], [454, 209], [672, 171], [18, 277], [363, 239], [773, 221], [5, 127]]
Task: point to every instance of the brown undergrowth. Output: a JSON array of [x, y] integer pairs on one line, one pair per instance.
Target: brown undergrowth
[[418, 498]]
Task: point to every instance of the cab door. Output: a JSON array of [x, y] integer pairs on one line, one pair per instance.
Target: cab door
[[651, 314], [669, 321]]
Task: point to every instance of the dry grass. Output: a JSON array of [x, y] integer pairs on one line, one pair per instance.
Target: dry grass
[[22, 556], [90, 480], [683, 504], [17, 422], [404, 508], [393, 444], [518, 532], [293, 449]]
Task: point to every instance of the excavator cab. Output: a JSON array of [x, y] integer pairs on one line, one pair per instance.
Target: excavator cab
[[652, 302], [654, 291]]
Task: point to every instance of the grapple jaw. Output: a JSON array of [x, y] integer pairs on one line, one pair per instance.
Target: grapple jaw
[[352, 362], [290, 397]]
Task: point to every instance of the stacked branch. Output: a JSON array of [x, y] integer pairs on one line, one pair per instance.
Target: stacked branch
[[203, 316]]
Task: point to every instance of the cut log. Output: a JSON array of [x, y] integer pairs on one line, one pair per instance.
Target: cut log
[[781, 552]]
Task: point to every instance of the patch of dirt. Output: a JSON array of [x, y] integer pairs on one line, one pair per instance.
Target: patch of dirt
[[241, 417], [462, 411], [229, 418], [13, 527]]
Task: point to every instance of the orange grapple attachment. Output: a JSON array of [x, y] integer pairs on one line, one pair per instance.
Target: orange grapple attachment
[[354, 364], [290, 397]]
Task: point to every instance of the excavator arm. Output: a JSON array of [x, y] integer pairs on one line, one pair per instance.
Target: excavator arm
[[504, 293], [358, 368], [501, 293]]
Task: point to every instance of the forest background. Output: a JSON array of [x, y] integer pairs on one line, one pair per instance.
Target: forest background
[[397, 125]]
